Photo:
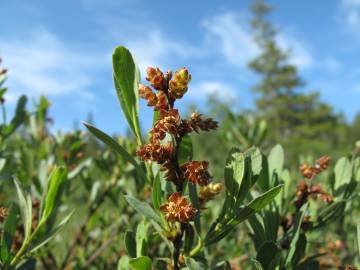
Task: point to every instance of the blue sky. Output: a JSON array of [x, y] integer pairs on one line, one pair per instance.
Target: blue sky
[[63, 49]]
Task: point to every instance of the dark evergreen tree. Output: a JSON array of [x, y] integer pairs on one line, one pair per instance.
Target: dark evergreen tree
[[297, 119]]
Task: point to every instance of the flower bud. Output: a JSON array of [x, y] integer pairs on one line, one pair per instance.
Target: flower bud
[[155, 77], [178, 85], [146, 93]]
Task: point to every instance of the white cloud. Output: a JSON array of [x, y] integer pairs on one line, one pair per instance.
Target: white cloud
[[235, 41], [219, 89], [351, 13], [155, 49], [43, 64], [300, 54], [230, 32]]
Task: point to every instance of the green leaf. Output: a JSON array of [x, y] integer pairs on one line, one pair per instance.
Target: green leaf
[[185, 150], [257, 265], [143, 208], [276, 160], [240, 215], [19, 116], [256, 161], [126, 79], [53, 193], [267, 254], [141, 239], [8, 234], [263, 179], [130, 244], [261, 201], [358, 237], [300, 250], [192, 264], [140, 263], [343, 172], [234, 171], [52, 233], [196, 203], [116, 147], [123, 263], [157, 192], [330, 213], [295, 235], [258, 235], [25, 206]]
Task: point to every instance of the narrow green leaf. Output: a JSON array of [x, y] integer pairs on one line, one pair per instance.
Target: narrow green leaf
[[185, 150], [8, 234], [267, 253], [126, 79], [261, 201], [141, 239], [19, 116], [130, 243], [143, 208], [157, 192], [116, 147], [295, 236], [257, 265], [25, 206], [140, 263], [343, 172], [123, 263], [358, 237], [53, 193], [196, 203], [234, 171], [52, 233], [276, 160], [192, 264]]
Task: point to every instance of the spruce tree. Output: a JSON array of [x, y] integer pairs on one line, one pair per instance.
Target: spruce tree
[[295, 118]]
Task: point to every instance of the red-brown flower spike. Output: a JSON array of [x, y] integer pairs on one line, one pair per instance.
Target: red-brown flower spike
[[146, 93], [178, 208], [162, 101], [155, 77], [323, 163], [196, 123], [178, 85], [310, 172], [155, 152], [196, 172]]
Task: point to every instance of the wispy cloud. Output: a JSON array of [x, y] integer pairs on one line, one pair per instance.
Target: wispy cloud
[[43, 64], [230, 30], [158, 49], [202, 90], [350, 13]]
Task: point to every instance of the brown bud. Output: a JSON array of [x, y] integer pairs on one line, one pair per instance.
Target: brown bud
[[155, 77], [178, 208], [146, 93], [209, 191]]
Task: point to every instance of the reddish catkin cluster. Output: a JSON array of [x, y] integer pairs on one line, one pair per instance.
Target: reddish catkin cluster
[[310, 172], [167, 88], [305, 190]]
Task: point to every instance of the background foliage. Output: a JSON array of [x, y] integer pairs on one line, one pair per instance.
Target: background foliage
[[69, 201]]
